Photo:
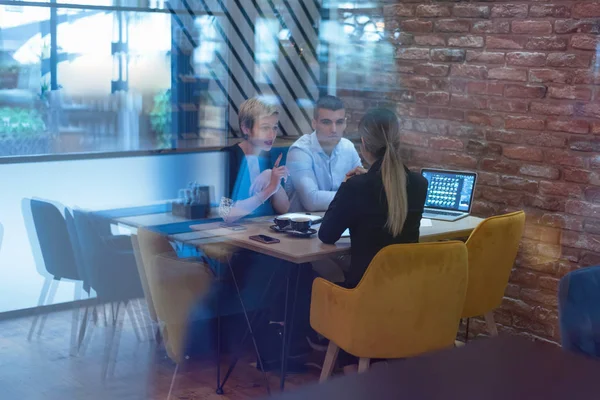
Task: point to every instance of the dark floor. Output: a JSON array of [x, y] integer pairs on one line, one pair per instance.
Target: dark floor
[[44, 369]]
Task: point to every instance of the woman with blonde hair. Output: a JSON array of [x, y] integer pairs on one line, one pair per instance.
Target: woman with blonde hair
[[381, 206]]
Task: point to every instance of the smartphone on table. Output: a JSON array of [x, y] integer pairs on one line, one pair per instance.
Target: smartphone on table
[[265, 239]]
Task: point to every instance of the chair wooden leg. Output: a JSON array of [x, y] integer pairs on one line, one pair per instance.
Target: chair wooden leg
[[329, 363], [491, 324], [363, 365]]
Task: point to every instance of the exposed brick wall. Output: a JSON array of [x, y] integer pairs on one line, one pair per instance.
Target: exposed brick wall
[[510, 90]]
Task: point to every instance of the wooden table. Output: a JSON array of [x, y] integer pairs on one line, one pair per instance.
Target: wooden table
[[302, 250], [504, 368]]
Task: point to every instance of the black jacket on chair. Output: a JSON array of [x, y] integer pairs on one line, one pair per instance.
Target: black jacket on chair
[[361, 205]]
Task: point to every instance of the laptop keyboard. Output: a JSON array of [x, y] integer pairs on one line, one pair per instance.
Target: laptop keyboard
[[438, 212]]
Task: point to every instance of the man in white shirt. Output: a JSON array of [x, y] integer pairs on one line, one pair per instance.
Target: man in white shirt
[[318, 162]]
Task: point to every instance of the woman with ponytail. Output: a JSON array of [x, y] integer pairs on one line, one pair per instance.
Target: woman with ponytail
[[380, 206]]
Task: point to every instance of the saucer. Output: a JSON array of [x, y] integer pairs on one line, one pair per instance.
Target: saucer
[[306, 234], [280, 230]]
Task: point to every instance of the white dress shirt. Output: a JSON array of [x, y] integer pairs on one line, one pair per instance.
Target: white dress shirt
[[314, 176]]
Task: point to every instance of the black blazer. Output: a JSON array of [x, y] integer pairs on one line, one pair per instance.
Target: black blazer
[[361, 205]]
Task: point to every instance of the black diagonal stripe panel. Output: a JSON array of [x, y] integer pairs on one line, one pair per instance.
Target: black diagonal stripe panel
[[275, 66], [181, 24], [269, 82], [309, 16], [292, 41], [301, 29], [281, 49]]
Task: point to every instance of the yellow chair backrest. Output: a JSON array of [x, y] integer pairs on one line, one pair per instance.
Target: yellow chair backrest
[[143, 278], [492, 247], [408, 302], [176, 286]]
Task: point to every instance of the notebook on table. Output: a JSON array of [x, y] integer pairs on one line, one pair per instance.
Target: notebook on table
[[449, 194]]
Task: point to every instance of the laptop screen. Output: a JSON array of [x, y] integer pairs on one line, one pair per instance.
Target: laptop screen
[[449, 190]]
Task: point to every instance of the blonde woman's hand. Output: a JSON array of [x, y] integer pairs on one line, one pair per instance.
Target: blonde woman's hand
[[354, 172]]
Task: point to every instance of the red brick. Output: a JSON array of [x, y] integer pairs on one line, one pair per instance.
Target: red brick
[[584, 42], [523, 278], [516, 106], [523, 153], [561, 157], [569, 60], [491, 27], [537, 296], [568, 125], [584, 77], [471, 11], [410, 110], [540, 171], [588, 110], [452, 26], [582, 144], [549, 75], [589, 259], [446, 113], [531, 123], [429, 40], [440, 84], [485, 88], [415, 25], [512, 291], [501, 196], [502, 166], [436, 98], [501, 135], [459, 160], [509, 11], [551, 108], [558, 188], [484, 119], [505, 42], [482, 148], [466, 41], [412, 53], [461, 130], [508, 74], [550, 10], [486, 57], [596, 128], [593, 194], [577, 25], [426, 156], [595, 162], [429, 126], [550, 283], [448, 55], [586, 10], [577, 175], [525, 91], [487, 178], [525, 59], [432, 69], [592, 226], [413, 82], [570, 92], [542, 234], [516, 183], [581, 240], [562, 221], [402, 39], [464, 101], [432, 11], [484, 209], [444, 143], [549, 203], [398, 10], [546, 140], [531, 27], [414, 139], [469, 71], [546, 43]]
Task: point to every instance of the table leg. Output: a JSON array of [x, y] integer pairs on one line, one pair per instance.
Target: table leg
[[287, 340]]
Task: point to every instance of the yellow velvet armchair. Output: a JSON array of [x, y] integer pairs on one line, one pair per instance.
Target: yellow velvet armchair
[[492, 247], [175, 286], [408, 302]]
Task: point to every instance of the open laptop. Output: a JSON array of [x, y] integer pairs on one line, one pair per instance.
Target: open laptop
[[449, 194]]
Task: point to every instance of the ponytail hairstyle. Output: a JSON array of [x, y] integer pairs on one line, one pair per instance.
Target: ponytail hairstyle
[[380, 131]]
